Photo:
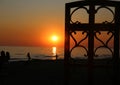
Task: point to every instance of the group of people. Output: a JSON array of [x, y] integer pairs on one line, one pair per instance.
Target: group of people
[[4, 57]]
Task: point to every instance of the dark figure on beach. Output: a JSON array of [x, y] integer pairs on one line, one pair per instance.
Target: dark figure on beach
[[7, 56], [28, 55], [56, 57], [2, 58]]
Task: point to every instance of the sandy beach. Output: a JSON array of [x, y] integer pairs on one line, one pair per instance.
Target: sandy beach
[[50, 72], [40, 72]]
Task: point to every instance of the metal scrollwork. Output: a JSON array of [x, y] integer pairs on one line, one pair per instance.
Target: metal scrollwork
[[78, 44], [82, 7], [104, 44], [105, 22], [92, 19], [97, 23]]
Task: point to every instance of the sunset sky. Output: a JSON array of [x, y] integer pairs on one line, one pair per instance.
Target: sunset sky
[[32, 22]]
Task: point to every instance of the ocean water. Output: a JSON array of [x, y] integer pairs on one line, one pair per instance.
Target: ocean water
[[20, 53]]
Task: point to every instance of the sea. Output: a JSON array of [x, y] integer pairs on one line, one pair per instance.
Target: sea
[[48, 53], [20, 52]]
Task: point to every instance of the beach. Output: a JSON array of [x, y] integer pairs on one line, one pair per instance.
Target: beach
[[45, 72], [51, 72]]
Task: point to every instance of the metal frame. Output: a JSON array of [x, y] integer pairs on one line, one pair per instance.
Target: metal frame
[[91, 30]]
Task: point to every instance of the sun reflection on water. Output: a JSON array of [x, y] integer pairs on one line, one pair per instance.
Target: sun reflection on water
[[54, 51]]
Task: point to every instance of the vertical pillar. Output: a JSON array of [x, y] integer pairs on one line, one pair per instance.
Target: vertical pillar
[[67, 45], [116, 46], [91, 44]]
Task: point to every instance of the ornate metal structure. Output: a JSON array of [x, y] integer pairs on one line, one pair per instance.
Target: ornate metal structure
[[92, 28]]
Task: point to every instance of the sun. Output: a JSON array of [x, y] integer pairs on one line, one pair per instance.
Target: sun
[[54, 38]]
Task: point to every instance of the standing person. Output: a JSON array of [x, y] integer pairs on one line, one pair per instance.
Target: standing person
[[7, 56], [2, 59], [28, 55], [56, 57]]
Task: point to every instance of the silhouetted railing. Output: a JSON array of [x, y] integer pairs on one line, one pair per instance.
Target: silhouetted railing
[[86, 28]]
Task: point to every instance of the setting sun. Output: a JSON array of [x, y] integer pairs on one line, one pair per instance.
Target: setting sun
[[54, 38]]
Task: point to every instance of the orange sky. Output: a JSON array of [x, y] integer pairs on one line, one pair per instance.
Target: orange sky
[[32, 22]]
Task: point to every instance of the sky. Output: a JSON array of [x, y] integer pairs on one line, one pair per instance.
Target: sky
[[32, 22]]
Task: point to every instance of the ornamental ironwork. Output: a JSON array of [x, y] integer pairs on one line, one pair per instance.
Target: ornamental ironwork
[[92, 25]]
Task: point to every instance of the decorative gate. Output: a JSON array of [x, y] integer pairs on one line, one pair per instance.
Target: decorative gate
[[91, 25]]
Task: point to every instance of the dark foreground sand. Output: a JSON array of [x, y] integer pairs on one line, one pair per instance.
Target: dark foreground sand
[[48, 72]]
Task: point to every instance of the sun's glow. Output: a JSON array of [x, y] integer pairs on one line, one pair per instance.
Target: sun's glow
[[54, 38]]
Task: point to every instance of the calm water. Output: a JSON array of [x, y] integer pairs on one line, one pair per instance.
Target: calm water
[[19, 53]]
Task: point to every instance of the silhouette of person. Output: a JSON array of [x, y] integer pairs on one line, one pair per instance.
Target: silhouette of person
[[2, 59], [7, 56], [28, 55], [56, 57]]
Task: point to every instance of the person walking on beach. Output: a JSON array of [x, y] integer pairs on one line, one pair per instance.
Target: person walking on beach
[[28, 55]]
